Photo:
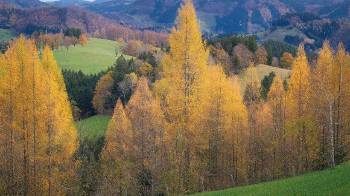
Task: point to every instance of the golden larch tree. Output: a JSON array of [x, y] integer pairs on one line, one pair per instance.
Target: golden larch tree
[[341, 81], [280, 146], [300, 124], [149, 150], [180, 91], [61, 130], [116, 155], [40, 136], [103, 95]]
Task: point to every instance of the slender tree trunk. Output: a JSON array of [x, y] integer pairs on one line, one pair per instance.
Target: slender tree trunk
[[11, 147], [49, 130], [331, 137], [24, 137], [187, 156], [34, 134], [339, 118]]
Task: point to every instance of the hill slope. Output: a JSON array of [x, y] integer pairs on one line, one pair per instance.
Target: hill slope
[[93, 127], [98, 55], [5, 35], [329, 182], [262, 71]]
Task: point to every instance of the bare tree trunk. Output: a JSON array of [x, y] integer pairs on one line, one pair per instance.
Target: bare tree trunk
[[34, 133], [11, 148], [330, 142]]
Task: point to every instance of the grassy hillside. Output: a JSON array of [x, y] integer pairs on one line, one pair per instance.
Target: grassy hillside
[[280, 34], [5, 35], [265, 70], [93, 127], [98, 55], [329, 182]]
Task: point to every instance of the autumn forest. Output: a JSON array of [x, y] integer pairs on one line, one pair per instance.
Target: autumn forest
[[184, 126]]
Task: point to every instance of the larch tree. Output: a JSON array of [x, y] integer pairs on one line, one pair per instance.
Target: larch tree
[[21, 96], [253, 102], [280, 148], [61, 130], [341, 82], [236, 135], [83, 39], [287, 60], [25, 121], [116, 155], [300, 124], [103, 95], [261, 55], [180, 91], [324, 98], [215, 123], [149, 150], [224, 121]]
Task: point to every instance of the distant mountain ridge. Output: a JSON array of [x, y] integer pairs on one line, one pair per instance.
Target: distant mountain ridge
[[216, 16], [288, 21], [219, 16], [24, 3]]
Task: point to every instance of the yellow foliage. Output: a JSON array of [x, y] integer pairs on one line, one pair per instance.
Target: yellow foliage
[[37, 122], [299, 84], [103, 93]]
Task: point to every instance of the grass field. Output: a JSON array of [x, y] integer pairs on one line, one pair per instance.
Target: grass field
[[98, 55], [5, 34], [329, 182], [262, 71], [93, 127]]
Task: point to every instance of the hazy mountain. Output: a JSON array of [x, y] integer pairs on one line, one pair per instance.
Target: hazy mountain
[[24, 3], [218, 16], [70, 2], [52, 19]]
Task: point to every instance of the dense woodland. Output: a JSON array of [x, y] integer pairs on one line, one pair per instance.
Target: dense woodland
[[180, 122]]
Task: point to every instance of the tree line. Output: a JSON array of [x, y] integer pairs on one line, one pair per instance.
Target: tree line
[[193, 130], [190, 130]]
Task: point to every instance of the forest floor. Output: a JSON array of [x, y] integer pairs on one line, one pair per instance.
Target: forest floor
[[328, 182]]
